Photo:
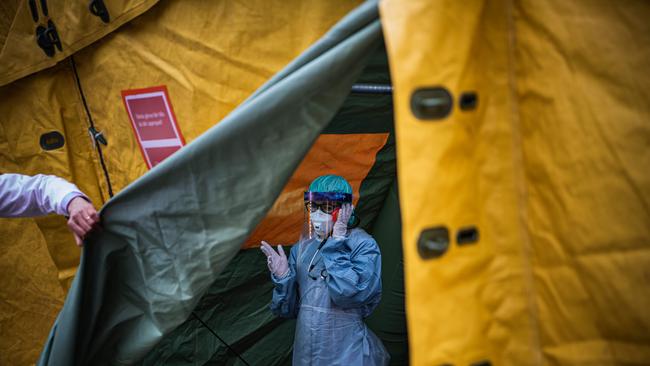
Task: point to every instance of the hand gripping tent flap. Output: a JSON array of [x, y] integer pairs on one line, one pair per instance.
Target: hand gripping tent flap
[[516, 130]]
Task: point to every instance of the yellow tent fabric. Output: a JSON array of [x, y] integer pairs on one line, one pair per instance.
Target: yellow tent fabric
[[7, 12], [75, 26], [210, 55], [551, 167], [38, 252]]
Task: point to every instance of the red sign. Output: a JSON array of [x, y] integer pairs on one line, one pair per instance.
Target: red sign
[[154, 123]]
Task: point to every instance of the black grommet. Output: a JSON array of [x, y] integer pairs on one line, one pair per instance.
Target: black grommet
[[468, 101], [431, 103], [433, 242], [481, 363], [47, 38], [52, 140], [467, 235], [53, 35], [98, 8], [44, 41]]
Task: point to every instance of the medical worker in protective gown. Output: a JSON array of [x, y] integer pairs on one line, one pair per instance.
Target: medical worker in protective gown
[[330, 282]]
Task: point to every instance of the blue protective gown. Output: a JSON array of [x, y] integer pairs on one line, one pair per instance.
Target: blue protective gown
[[332, 300]]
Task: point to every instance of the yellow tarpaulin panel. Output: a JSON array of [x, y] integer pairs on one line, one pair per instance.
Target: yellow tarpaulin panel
[[210, 55], [551, 168], [584, 108], [30, 294], [30, 107], [68, 24], [7, 12], [470, 304]]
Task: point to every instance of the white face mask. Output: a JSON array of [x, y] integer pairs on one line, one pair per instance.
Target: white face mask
[[321, 222]]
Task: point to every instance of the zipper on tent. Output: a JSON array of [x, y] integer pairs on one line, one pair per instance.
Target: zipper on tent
[[97, 135]]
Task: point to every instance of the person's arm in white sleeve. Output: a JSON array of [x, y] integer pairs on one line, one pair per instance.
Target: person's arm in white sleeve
[[24, 196]]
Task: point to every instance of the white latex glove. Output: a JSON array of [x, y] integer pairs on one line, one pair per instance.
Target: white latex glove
[[277, 261], [341, 224]]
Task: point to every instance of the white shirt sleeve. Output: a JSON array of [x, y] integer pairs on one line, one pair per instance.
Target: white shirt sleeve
[[22, 195]]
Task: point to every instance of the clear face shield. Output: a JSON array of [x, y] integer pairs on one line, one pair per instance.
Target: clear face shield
[[321, 210]]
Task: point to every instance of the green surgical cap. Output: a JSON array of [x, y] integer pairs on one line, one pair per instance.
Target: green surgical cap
[[330, 183]]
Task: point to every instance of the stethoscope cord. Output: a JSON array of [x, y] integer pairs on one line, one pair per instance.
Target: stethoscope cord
[[311, 262]]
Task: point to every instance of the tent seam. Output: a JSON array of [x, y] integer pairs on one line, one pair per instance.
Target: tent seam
[[521, 189]]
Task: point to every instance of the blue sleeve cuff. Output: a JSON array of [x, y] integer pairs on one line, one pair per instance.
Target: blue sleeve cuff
[[333, 244], [281, 281]]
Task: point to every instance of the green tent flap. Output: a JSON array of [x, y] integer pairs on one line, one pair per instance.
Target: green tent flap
[[168, 235]]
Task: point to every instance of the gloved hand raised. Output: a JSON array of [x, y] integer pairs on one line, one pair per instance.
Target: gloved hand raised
[[341, 224], [276, 261]]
